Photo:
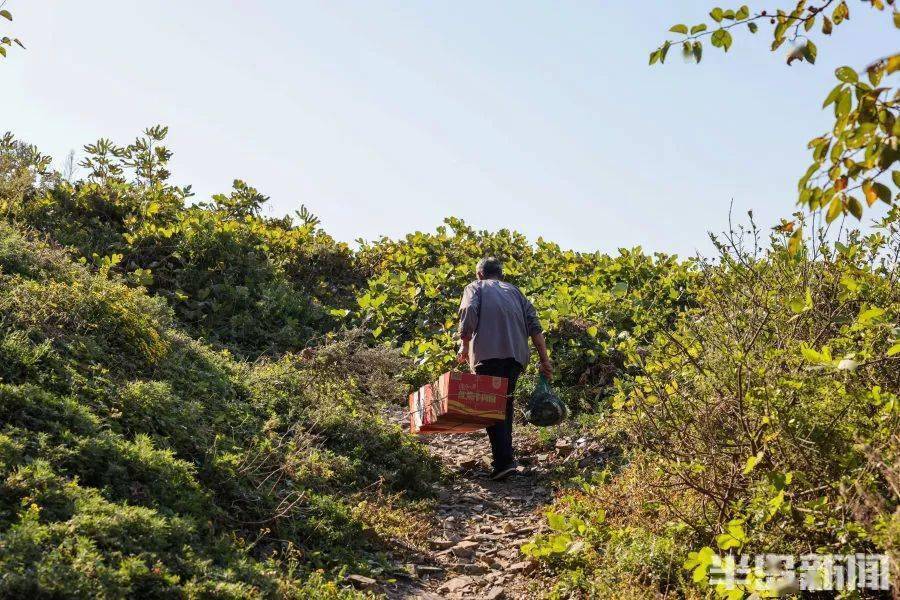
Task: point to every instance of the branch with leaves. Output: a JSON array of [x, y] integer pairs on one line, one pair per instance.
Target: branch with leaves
[[6, 41], [860, 151]]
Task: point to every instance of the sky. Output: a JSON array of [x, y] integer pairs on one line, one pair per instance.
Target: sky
[[384, 117]]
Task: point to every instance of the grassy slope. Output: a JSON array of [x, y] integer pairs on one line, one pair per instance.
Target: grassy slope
[[137, 461]]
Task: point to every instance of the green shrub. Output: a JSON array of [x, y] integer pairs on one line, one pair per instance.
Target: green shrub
[[594, 307], [135, 461], [766, 419]]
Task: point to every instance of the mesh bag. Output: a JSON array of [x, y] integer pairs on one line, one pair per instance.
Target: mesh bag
[[545, 408]]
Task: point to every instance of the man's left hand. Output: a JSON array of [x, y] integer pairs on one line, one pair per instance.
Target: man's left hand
[[463, 356]]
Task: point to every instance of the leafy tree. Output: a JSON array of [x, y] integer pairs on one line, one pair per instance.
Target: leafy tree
[[243, 201], [853, 162]]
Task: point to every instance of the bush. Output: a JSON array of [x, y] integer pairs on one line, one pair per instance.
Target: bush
[[253, 284], [766, 420], [593, 306], [135, 461]]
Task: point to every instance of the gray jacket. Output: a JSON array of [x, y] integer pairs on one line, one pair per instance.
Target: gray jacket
[[499, 319]]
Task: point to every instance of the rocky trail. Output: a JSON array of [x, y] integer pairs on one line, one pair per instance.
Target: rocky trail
[[481, 524]]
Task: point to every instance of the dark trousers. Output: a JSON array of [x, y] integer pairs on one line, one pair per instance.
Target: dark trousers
[[501, 433]]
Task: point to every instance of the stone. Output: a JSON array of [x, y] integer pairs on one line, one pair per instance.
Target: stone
[[472, 568], [457, 584], [563, 446], [427, 571], [442, 544], [520, 567], [465, 549], [361, 582], [495, 593], [469, 463]]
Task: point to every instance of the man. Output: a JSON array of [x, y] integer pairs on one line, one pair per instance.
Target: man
[[495, 322]]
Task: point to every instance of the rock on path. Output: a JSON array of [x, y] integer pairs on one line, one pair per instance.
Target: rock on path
[[480, 524]]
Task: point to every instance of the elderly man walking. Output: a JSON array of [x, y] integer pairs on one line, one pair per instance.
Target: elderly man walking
[[495, 322]]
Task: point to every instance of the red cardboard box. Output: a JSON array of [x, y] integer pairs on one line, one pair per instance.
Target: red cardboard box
[[458, 402]]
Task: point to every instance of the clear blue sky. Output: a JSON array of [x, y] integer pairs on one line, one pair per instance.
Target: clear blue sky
[[384, 117]]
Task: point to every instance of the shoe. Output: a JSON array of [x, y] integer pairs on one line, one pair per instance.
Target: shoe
[[504, 472]]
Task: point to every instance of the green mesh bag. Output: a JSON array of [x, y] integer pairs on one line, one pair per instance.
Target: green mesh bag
[[545, 408]]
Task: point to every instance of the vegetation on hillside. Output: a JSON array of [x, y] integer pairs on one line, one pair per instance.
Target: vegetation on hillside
[[765, 421], [137, 461], [594, 307], [191, 393]]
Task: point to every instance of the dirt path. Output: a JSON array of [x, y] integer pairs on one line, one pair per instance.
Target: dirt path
[[474, 550]]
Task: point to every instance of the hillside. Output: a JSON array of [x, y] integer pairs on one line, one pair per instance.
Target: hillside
[[201, 401]]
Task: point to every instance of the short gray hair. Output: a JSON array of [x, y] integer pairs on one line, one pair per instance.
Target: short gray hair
[[489, 267]]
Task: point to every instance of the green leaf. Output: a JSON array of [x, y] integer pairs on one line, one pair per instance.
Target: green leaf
[[698, 28], [592, 331], [834, 210], [846, 74], [810, 354], [850, 284], [742, 13], [726, 40], [855, 208], [833, 94], [894, 350], [654, 57], [896, 177], [795, 242], [680, 28], [752, 462], [809, 23], [810, 52], [734, 537], [559, 542], [842, 108], [556, 521], [663, 51], [717, 14], [753, 27], [867, 316], [698, 51], [6, 15], [378, 301], [882, 191], [897, 20]]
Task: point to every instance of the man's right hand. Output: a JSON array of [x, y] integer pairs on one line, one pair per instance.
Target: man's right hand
[[546, 368]]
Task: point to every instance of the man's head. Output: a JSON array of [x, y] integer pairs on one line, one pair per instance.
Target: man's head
[[489, 268]]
